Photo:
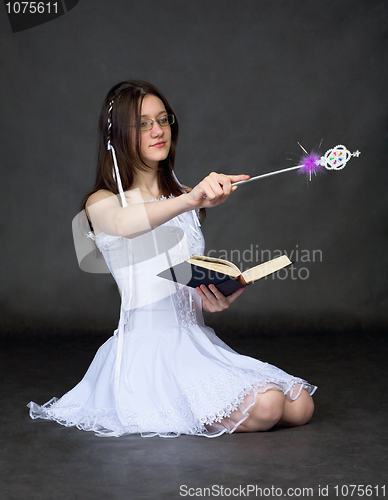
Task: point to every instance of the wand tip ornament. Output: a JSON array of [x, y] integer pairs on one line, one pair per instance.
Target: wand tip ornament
[[334, 159]]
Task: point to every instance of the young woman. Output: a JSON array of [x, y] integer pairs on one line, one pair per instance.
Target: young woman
[[163, 372]]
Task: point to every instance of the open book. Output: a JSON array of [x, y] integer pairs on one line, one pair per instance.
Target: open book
[[225, 275]]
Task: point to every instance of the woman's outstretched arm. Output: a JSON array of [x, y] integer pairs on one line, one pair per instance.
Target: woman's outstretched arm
[[107, 215]]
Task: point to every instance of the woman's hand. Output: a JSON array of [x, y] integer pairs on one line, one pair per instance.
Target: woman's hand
[[213, 300], [213, 190]]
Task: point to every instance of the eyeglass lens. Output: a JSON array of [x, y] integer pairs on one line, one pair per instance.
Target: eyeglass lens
[[163, 121]]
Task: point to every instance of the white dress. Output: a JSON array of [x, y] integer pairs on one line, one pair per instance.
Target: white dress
[[163, 372]]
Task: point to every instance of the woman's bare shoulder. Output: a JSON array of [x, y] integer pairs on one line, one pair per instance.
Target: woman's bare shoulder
[[99, 195]]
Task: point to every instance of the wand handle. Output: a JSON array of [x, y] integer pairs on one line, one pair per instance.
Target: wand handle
[[266, 175]]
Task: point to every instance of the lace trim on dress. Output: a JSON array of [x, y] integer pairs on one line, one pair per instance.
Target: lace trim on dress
[[102, 238], [159, 199], [185, 307], [215, 406]]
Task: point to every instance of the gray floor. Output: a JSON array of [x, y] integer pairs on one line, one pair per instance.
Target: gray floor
[[344, 444]]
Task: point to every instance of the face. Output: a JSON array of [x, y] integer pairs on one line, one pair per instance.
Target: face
[[155, 143]]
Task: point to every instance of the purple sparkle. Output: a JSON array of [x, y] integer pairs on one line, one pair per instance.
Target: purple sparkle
[[310, 164]]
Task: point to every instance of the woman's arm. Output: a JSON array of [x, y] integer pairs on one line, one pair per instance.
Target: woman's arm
[[107, 215]]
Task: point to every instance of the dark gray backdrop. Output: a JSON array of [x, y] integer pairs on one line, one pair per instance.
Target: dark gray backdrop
[[247, 80]]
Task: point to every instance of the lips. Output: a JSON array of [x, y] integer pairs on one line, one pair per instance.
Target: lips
[[158, 145]]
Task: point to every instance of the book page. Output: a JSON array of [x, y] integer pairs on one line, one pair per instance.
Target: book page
[[205, 258], [262, 270], [216, 265]]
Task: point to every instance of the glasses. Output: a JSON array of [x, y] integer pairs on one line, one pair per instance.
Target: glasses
[[163, 121]]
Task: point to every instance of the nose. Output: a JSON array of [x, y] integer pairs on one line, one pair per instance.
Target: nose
[[156, 130]]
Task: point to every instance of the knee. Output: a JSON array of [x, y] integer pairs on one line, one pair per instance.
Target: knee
[[268, 409], [307, 409], [303, 409]]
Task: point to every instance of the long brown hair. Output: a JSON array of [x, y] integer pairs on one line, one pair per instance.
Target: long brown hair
[[127, 99]]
